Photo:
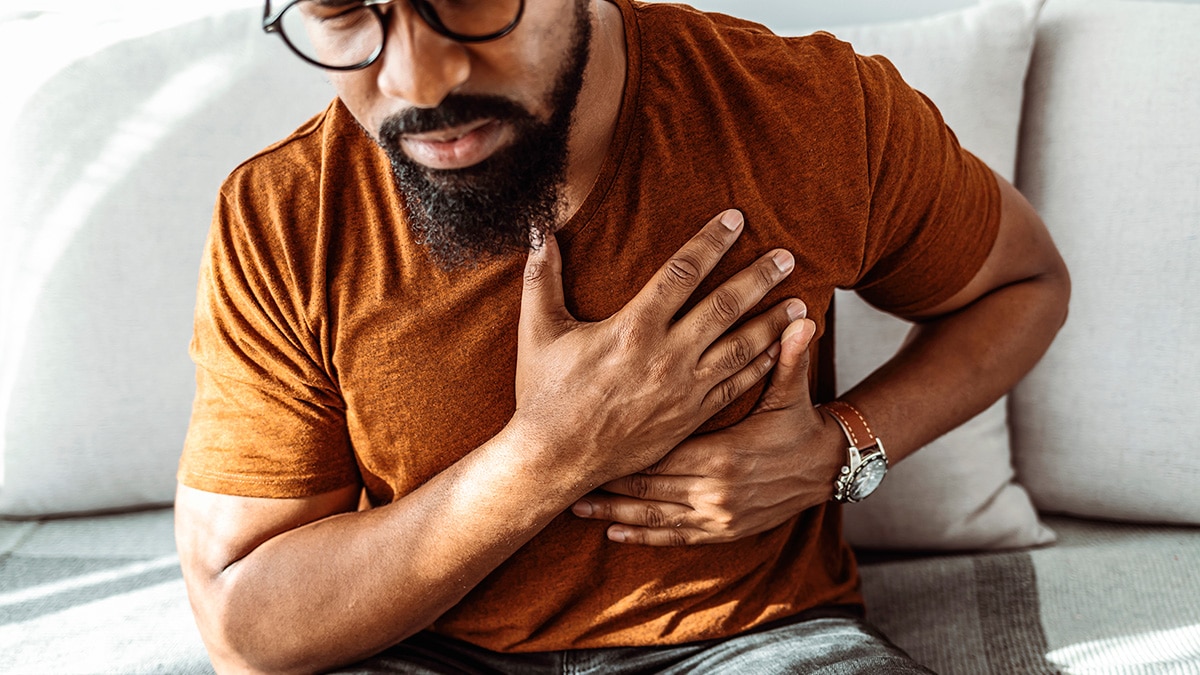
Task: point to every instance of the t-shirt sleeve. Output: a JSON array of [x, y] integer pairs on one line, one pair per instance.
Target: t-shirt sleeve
[[934, 207], [267, 420]]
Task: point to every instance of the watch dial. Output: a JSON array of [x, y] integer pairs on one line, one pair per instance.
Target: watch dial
[[870, 475]]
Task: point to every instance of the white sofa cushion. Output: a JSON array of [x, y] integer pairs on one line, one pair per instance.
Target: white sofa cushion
[[1107, 424], [108, 185], [958, 492]]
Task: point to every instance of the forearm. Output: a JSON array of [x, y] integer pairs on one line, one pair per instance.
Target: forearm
[[345, 587], [954, 367]]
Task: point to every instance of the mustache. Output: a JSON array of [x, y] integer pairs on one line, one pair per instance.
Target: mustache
[[454, 110]]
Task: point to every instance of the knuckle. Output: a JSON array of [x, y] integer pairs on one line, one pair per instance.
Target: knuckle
[[653, 516], [726, 526], [639, 486], [720, 504], [767, 274], [724, 305], [712, 240], [726, 391], [535, 274], [682, 270], [630, 334], [729, 523], [675, 537], [737, 354]]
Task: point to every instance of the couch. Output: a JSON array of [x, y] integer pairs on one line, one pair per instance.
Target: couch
[[1056, 532]]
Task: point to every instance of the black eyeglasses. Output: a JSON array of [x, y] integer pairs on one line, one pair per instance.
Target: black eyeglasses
[[349, 35]]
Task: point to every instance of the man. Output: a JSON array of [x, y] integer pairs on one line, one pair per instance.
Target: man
[[604, 454]]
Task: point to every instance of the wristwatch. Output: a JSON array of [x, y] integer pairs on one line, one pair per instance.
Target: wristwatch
[[868, 462]]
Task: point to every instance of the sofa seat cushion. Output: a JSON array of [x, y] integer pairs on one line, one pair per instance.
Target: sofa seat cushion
[[102, 594], [1108, 598]]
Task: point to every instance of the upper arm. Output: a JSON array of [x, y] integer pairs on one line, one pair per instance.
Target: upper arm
[[1023, 251]]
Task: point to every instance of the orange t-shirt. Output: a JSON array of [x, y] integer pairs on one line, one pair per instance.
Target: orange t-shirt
[[332, 351]]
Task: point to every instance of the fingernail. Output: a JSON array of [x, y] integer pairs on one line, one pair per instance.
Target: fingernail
[[583, 508], [796, 311], [616, 535], [731, 220], [773, 350], [784, 261]]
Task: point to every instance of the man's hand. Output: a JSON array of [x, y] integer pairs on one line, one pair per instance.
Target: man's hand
[[738, 481], [612, 397]]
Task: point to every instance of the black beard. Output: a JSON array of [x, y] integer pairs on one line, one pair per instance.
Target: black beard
[[506, 203]]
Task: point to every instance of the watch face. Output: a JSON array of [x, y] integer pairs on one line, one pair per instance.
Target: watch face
[[869, 476]]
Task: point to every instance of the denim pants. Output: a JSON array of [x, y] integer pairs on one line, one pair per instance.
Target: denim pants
[[829, 641]]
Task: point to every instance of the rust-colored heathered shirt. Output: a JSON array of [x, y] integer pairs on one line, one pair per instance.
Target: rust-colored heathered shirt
[[332, 351]]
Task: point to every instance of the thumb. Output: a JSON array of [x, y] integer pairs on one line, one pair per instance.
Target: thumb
[[789, 381], [542, 302]]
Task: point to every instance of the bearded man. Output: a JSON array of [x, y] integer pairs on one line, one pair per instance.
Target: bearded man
[[508, 361]]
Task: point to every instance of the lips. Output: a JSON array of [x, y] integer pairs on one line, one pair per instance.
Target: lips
[[456, 147]]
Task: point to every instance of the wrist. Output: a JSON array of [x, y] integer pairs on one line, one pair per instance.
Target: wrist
[[866, 459], [535, 448], [833, 442]]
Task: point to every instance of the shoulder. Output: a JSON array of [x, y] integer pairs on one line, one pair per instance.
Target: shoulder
[[714, 40], [276, 197], [287, 164], [268, 219]]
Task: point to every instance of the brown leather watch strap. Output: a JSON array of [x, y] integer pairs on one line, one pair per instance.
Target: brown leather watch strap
[[853, 423]]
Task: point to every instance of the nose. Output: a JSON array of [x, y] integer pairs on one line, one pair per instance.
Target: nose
[[419, 65]]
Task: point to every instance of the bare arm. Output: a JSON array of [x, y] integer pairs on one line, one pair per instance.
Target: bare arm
[[307, 584], [969, 351], [961, 356]]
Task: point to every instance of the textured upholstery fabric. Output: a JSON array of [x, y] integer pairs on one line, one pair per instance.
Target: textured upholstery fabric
[[103, 594], [1106, 425], [1107, 599]]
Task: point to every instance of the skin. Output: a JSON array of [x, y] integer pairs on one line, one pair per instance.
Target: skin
[[297, 585]]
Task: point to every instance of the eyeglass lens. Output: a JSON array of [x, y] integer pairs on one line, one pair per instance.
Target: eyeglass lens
[[340, 35]]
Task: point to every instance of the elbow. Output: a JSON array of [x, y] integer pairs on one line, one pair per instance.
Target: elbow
[[1058, 278], [238, 639]]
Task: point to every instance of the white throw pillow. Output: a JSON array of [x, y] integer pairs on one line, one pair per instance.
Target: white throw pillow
[[109, 179], [1108, 424], [958, 492]]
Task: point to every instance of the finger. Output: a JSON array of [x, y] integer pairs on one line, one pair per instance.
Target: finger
[[732, 352], [630, 511], [789, 381], [542, 302], [678, 278], [659, 536], [724, 392], [713, 315], [669, 488]]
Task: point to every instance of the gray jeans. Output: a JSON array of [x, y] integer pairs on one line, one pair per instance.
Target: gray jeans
[[829, 641]]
